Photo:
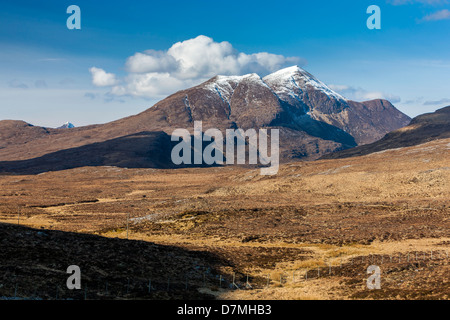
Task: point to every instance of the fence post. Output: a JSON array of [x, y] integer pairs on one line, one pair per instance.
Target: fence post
[[248, 285], [128, 219], [234, 281]]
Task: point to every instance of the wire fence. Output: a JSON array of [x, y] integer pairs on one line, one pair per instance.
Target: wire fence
[[187, 285]]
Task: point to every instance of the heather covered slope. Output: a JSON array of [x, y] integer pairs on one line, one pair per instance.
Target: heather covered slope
[[390, 209], [34, 263]]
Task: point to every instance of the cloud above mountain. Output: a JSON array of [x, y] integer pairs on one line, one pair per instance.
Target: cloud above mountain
[[101, 78], [157, 73], [441, 102]]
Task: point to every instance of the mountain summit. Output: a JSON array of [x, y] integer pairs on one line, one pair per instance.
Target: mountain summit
[[292, 83], [66, 125], [313, 119]]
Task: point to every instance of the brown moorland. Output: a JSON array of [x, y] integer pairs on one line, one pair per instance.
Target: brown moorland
[[326, 220]]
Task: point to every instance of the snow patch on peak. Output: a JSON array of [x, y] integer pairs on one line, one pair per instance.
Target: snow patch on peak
[[224, 86], [67, 125], [289, 71], [235, 79], [289, 80]]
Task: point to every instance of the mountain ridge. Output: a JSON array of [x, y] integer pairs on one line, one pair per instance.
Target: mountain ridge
[[313, 120], [422, 129]]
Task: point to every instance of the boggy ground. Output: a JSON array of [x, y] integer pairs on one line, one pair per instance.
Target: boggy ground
[[390, 209]]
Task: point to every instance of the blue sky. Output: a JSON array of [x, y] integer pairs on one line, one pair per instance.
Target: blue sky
[[47, 74]]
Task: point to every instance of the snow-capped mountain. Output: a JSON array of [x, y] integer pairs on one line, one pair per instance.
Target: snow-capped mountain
[[67, 125], [290, 98], [292, 85], [313, 120], [294, 82]]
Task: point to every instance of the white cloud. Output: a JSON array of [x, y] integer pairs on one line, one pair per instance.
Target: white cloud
[[359, 94], [102, 79], [151, 61], [187, 63], [437, 102], [150, 85], [339, 87], [440, 15]]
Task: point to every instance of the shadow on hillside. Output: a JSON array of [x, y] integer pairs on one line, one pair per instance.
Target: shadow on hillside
[[33, 263], [295, 119], [141, 150]]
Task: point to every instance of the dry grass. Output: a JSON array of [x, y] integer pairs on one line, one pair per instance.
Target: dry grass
[[312, 214]]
